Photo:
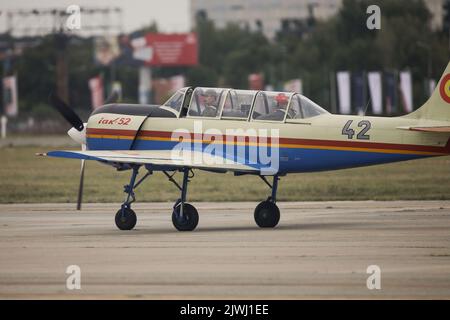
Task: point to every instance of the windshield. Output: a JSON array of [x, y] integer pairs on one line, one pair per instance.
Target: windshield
[[176, 100], [303, 108]]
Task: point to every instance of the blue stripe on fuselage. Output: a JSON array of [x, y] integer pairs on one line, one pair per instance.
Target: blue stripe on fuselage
[[290, 159]]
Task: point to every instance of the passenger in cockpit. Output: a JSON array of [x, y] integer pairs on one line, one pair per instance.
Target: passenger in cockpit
[[209, 103]]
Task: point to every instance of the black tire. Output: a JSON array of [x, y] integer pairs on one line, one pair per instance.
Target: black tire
[[189, 220], [127, 220], [267, 214]]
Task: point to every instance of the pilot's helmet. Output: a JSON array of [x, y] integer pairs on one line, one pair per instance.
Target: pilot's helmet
[[281, 99]]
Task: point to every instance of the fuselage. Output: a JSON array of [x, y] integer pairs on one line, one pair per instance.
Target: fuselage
[[321, 142]]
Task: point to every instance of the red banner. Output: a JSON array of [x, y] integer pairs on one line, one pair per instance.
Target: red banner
[[171, 49]]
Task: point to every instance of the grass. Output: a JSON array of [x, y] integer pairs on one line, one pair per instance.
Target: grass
[[25, 178]]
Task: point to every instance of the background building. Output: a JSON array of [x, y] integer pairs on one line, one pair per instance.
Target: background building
[[272, 16], [268, 16]]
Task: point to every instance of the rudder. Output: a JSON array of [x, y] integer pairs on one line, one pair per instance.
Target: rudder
[[437, 106]]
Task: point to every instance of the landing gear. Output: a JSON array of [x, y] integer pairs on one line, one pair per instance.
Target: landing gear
[[187, 220], [184, 215], [267, 214], [126, 218]]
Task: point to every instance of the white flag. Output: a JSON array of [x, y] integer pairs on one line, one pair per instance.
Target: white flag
[[375, 88], [117, 88], [343, 84], [406, 90], [431, 86], [10, 96], [145, 81], [294, 85]]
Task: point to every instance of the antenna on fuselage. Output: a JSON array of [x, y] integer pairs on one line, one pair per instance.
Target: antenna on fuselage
[[365, 109]]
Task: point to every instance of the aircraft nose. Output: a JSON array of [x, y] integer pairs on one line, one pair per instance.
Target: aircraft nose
[[78, 136]]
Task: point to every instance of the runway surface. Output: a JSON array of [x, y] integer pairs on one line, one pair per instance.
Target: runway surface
[[319, 250]]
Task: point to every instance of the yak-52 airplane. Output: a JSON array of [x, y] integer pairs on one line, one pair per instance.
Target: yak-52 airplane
[[262, 133]]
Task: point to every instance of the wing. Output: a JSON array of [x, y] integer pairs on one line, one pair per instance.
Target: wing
[[159, 158]]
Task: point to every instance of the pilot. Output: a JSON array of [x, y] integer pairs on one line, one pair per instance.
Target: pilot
[[281, 102], [209, 103]]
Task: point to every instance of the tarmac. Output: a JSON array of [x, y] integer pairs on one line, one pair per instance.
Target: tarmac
[[319, 250]]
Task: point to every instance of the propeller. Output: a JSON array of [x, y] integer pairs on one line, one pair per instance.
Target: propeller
[[77, 132], [81, 185], [66, 111]]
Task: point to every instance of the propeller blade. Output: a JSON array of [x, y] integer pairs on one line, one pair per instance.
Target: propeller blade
[[66, 112], [113, 98], [80, 187]]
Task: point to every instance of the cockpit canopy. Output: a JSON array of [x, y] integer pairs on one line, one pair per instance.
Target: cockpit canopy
[[221, 103], [205, 102], [176, 100]]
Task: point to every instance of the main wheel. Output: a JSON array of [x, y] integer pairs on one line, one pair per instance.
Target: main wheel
[[267, 214], [188, 221], [126, 220]]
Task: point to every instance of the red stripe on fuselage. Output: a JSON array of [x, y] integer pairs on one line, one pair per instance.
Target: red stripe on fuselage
[[294, 141], [116, 132]]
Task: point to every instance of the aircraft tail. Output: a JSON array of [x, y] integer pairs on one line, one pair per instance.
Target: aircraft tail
[[437, 106]]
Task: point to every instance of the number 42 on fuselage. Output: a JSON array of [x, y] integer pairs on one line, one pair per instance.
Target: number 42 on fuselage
[[263, 133]]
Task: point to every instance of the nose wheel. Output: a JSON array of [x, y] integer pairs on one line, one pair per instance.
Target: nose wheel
[[125, 219]]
